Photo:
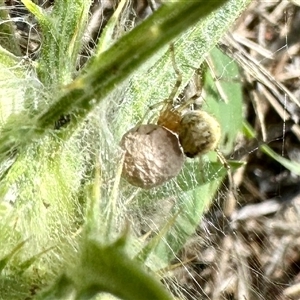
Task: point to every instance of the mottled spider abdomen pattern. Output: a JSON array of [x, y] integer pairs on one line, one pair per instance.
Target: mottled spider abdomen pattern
[[199, 133]]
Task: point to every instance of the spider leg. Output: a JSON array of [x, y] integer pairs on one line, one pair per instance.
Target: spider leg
[[223, 160], [198, 82], [216, 79], [167, 104], [190, 101], [196, 90], [162, 103], [178, 73]]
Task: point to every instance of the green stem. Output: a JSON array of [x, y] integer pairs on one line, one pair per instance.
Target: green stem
[[126, 55]]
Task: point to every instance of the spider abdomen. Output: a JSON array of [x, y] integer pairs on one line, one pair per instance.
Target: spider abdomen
[[199, 133]]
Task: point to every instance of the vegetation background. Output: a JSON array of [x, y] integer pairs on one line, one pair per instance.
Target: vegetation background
[[75, 76]]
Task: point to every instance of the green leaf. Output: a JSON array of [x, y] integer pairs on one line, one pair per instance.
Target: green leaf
[[224, 97], [107, 268], [293, 166]]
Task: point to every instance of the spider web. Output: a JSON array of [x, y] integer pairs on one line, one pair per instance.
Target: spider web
[[247, 250], [245, 247]]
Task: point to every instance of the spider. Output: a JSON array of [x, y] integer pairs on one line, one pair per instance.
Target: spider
[[154, 153], [198, 131]]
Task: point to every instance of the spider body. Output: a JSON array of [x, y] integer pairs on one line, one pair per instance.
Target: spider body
[[199, 133], [197, 130], [154, 153], [170, 118]]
